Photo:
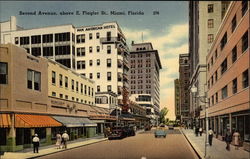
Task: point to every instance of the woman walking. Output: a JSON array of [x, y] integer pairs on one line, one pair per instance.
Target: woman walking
[[58, 140], [236, 137]]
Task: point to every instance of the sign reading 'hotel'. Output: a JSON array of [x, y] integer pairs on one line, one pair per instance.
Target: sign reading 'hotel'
[[96, 28]]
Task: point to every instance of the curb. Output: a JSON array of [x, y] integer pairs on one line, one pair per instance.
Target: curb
[[196, 151], [66, 149]]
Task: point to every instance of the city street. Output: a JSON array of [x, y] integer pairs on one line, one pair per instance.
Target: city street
[[141, 146]]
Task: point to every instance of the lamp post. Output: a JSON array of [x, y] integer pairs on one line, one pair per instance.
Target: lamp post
[[194, 90]]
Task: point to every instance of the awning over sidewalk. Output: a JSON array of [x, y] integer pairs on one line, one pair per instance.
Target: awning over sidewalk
[[74, 121], [5, 121], [28, 121]]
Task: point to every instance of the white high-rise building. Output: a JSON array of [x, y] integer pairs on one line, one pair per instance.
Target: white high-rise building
[[97, 52]]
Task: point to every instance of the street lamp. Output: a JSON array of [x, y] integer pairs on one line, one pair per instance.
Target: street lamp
[[194, 90]]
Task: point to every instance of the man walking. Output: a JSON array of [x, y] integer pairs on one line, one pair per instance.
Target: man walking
[[35, 142], [228, 139], [210, 136], [65, 138]]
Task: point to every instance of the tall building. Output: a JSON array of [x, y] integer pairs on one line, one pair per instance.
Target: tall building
[[228, 75], [204, 20], [184, 75], [98, 52], [177, 99], [144, 75]]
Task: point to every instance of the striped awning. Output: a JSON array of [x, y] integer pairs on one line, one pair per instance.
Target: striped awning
[[74, 121], [5, 121], [29, 121]]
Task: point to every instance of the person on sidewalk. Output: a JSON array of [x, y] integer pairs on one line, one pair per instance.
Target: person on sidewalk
[[228, 139], [58, 140], [196, 131], [65, 138], [236, 139], [210, 136], [200, 131], [35, 142]]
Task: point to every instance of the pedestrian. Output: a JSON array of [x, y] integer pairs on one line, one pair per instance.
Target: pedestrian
[[200, 131], [236, 137], [35, 142], [65, 138], [228, 139], [210, 136], [58, 140], [196, 131]]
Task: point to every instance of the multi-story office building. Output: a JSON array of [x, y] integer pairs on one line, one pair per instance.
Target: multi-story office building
[[177, 99], [144, 72], [98, 52], [228, 74], [204, 19], [41, 96], [184, 75]]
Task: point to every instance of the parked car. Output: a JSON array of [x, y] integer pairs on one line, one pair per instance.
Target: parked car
[[118, 132], [147, 127], [170, 127], [161, 131], [130, 131]]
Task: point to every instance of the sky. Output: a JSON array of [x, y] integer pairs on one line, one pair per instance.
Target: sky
[[167, 30]]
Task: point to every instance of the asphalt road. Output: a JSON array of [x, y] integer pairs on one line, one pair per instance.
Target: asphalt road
[[141, 146]]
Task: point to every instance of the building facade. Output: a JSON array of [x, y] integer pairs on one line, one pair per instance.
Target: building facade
[[98, 52], [184, 99], [204, 19], [144, 74], [177, 99], [228, 74]]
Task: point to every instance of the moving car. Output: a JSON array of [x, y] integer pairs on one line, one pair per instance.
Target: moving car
[[161, 131], [118, 132], [170, 127]]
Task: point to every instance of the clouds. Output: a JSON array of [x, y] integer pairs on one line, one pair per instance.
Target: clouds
[[172, 42]]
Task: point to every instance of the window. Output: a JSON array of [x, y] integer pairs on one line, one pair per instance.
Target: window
[[90, 49], [36, 39], [3, 73], [216, 97], [98, 75], [92, 93], [81, 88], [47, 51], [223, 41], [72, 85], [234, 86], [210, 23], [109, 76], [62, 37], [210, 8], [66, 97], [97, 35], [245, 79], [47, 38], [210, 38], [90, 75], [90, 62], [233, 23], [53, 77], [216, 54], [66, 82], [24, 40], [53, 94], [90, 36], [244, 7], [80, 38], [80, 51], [245, 41], [98, 88], [109, 88], [89, 90], [98, 62], [77, 86], [223, 66], [216, 76], [61, 95], [80, 65], [224, 92], [85, 89], [36, 51], [109, 49], [212, 61], [34, 80], [97, 48], [62, 50], [16, 40], [234, 54], [60, 80], [108, 62]]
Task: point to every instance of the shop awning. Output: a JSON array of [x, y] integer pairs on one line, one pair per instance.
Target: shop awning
[[28, 121], [5, 121], [74, 121]]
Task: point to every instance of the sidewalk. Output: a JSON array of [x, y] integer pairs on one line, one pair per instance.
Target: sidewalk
[[45, 150], [217, 150]]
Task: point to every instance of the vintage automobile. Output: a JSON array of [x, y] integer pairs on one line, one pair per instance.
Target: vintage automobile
[[171, 127], [130, 131], [161, 131], [118, 133]]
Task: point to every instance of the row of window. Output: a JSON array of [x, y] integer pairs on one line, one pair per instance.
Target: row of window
[[140, 55], [74, 84], [82, 50], [223, 41], [81, 38], [140, 81], [224, 91], [140, 76], [140, 86], [82, 64], [140, 65], [98, 75], [72, 98], [224, 64], [141, 92], [109, 88]]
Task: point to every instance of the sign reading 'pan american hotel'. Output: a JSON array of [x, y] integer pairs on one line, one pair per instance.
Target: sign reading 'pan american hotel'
[[96, 28]]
